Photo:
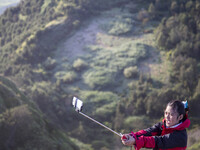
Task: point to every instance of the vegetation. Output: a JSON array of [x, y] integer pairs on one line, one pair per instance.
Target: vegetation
[[80, 64], [119, 25], [24, 126], [131, 72], [118, 76], [107, 64]]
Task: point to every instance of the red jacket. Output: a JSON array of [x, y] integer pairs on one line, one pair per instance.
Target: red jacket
[[159, 137]]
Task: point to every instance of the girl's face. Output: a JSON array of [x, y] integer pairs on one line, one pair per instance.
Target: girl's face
[[171, 117]]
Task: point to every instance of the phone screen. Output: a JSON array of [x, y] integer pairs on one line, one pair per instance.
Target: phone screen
[[77, 103]]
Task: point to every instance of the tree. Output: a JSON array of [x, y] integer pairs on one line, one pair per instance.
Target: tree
[[192, 25], [189, 5], [174, 37], [188, 74], [196, 94], [195, 101], [161, 39], [196, 50], [152, 102], [183, 17], [183, 48], [174, 7], [119, 116], [152, 11]]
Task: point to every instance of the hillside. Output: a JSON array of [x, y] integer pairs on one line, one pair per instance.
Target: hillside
[[23, 126], [124, 59]]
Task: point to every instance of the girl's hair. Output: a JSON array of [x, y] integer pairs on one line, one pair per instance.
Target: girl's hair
[[178, 106]]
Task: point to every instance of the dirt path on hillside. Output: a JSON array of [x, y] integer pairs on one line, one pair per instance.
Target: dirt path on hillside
[[74, 46]]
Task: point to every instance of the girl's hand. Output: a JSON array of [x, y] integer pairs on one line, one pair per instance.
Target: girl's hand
[[128, 140]]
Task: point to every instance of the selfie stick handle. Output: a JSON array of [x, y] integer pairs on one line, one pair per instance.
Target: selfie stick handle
[[100, 124]]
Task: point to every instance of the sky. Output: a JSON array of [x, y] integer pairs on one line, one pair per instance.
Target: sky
[[7, 3]]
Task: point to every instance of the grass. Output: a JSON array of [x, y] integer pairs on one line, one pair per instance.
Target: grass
[[107, 64], [119, 25], [98, 79], [99, 102]]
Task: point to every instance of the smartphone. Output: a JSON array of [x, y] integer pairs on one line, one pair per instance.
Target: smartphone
[[77, 103]]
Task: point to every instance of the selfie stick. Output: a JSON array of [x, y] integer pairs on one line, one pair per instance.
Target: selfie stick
[[78, 104], [100, 124]]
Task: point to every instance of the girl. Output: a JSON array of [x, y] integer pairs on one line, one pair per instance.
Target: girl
[[170, 134]]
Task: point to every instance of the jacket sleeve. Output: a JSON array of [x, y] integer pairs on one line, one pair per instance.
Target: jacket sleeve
[[152, 131], [172, 140], [144, 141]]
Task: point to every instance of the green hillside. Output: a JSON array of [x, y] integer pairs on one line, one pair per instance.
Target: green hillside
[[125, 59], [23, 126]]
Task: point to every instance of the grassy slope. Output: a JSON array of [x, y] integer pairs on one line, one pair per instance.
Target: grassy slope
[[107, 55]]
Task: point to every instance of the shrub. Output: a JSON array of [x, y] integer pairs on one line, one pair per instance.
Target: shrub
[[143, 14], [136, 122], [131, 72], [69, 77], [106, 111], [76, 23], [119, 25], [66, 77], [50, 63], [79, 64], [41, 90]]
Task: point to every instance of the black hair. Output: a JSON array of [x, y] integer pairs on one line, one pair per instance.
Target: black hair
[[178, 106]]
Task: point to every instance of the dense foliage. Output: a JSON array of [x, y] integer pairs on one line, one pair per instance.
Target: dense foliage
[[24, 126], [179, 35]]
